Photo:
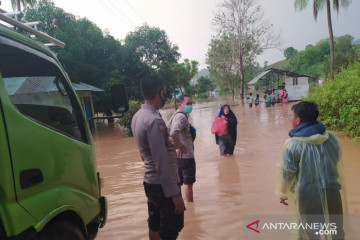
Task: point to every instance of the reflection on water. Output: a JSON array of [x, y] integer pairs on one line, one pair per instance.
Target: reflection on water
[[227, 188]]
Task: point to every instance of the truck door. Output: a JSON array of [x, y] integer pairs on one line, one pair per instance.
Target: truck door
[[51, 153]]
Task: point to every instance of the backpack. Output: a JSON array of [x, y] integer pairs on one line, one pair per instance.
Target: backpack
[[257, 100], [192, 129]]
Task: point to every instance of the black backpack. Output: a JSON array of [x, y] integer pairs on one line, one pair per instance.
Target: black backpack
[[192, 129]]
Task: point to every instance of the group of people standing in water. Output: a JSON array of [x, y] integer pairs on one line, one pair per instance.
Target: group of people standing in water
[[308, 168], [272, 96]]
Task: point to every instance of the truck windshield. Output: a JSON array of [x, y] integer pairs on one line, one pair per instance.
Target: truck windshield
[[37, 88]]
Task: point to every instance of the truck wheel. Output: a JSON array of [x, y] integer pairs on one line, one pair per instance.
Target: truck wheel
[[62, 231]]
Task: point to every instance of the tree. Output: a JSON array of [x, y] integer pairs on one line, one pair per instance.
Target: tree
[[242, 20], [17, 3], [314, 60], [185, 71], [205, 85], [289, 52], [318, 5], [152, 47], [221, 60], [149, 51]]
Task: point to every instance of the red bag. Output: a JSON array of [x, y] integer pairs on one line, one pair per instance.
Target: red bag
[[219, 126]]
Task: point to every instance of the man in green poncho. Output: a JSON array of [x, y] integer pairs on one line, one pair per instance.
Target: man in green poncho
[[309, 170]]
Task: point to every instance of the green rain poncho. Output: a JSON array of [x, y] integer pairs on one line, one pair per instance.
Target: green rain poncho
[[309, 172]]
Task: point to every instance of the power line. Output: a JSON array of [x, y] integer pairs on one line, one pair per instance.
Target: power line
[[89, 66], [110, 73], [134, 10], [113, 12], [128, 19]]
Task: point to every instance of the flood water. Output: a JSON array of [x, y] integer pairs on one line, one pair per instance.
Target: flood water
[[227, 188]]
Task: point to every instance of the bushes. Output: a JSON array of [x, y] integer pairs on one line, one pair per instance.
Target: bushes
[[203, 95], [339, 101], [125, 121]]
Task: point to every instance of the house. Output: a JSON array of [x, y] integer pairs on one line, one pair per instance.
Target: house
[[84, 92], [297, 85], [46, 86]]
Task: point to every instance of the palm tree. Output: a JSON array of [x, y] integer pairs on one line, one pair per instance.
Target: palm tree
[[318, 5], [16, 3]]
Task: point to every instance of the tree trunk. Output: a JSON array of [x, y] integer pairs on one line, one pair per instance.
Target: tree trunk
[[18, 5], [242, 80], [331, 38]]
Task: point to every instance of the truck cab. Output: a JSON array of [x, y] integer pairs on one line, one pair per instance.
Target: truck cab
[[49, 184]]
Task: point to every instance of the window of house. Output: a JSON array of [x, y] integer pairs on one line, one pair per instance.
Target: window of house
[[295, 81]]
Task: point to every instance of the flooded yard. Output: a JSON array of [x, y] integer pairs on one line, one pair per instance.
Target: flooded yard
[[227, 188]]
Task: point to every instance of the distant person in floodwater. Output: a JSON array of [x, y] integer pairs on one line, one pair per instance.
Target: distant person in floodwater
[[268, 101], [277, 98], [281, 92], [227, 143], [273, 98], [285, 97], [218, 110], [257, 100], [251, 99]]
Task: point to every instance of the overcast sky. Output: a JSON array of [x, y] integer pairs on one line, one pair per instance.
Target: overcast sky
[[188, 22]]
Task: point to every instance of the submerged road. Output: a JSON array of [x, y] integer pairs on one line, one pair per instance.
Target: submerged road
[[227, 188]]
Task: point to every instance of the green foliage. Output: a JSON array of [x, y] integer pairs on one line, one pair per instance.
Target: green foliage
[[221, 61], [205, 84], [203, 95], [339, 101], [125, 121], [289, 52], [97, 58], [152, 48], [225, 92], [25, 3], [314, 60], [149, 51], [184, 72], [190, 90]]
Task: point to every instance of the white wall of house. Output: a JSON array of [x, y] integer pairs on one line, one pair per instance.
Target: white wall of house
[[297, 88]]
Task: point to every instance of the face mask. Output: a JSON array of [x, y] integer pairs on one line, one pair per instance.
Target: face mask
[[187, 109]]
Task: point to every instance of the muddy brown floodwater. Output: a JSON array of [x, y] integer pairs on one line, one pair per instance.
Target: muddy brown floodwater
[[227, 188]]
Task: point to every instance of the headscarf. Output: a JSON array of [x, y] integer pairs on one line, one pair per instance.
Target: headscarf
[[218, 110], [232, 122]]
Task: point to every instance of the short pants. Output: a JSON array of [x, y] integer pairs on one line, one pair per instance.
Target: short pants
[[161, 210], [187, 170]]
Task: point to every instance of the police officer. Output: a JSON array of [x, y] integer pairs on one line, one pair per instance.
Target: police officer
[[180, 132], [161, 181]]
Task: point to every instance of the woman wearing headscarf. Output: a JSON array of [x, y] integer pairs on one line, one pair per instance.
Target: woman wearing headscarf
[[227, 142], [218, 110]]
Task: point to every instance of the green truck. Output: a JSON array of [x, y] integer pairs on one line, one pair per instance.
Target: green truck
[[49, 184]]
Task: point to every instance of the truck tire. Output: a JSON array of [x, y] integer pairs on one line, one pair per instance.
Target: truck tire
[[61, 231]]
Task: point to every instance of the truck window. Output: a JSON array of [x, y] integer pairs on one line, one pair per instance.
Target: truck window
[[37, 88]]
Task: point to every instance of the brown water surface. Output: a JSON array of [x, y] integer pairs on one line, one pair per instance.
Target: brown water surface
[[227, 188]]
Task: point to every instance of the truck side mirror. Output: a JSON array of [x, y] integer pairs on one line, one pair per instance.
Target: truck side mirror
[[119, 98]]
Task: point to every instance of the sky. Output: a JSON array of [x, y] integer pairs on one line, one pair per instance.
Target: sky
[[188, 23]]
